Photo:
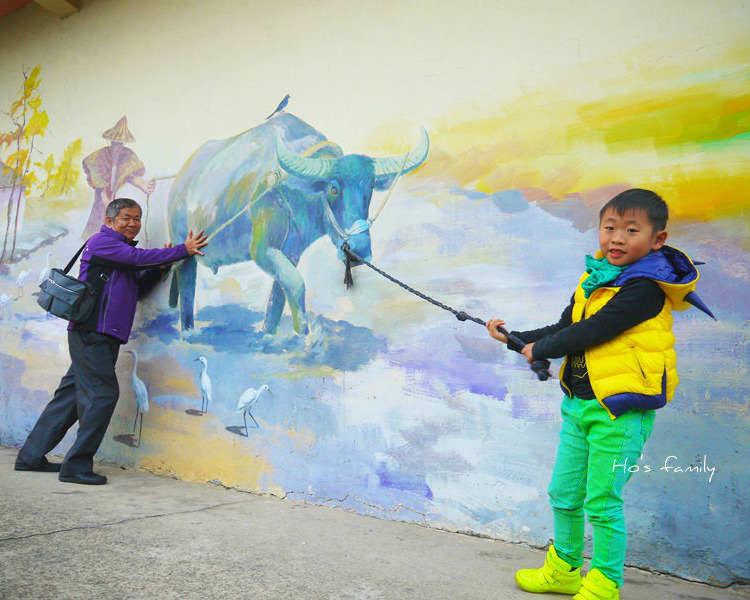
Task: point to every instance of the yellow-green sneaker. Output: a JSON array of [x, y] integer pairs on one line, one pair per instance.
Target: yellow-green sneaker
[[595, 586], [555, 576]]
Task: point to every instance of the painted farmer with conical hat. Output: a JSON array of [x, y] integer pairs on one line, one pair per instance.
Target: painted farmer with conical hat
[[109, 168]]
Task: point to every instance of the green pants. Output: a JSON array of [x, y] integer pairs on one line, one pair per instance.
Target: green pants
[[589, 476]]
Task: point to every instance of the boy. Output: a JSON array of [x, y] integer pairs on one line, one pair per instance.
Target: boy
[[616, 335]]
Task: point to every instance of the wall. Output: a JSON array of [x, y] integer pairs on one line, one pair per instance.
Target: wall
[[537, 113]]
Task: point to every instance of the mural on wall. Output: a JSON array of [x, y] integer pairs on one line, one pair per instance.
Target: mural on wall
[[140, 390], [22, 174], [247, 400], [255, 367], [108, 169], [269, 193]]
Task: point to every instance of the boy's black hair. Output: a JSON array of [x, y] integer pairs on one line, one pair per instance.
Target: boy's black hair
[[114, 207], [641, 200]]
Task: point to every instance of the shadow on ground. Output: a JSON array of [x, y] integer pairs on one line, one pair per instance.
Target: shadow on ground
[[128, 439], [237, 430]]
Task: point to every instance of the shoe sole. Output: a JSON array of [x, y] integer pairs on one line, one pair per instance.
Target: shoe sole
[[76, 480], [33, 470]]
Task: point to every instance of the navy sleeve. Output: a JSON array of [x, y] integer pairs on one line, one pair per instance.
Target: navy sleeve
[[148, 280], [566, 318], [638, 300]]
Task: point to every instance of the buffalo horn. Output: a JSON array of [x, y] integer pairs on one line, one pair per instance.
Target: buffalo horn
[[390, 166], [309, 168]]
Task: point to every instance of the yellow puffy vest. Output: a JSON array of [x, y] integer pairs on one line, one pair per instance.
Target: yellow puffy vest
[[640, 362]]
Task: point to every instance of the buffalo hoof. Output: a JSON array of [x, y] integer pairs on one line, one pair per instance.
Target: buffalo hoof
[[188, 334], [300, 326]]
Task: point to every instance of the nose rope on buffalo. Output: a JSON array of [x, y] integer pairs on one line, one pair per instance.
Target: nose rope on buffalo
[[539, 366]]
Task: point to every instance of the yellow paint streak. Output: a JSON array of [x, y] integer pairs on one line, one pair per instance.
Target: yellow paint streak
[[686, 136], [712, 111], [230, 289], [302, 372], [198, 448], [303, 440], [77, 198]]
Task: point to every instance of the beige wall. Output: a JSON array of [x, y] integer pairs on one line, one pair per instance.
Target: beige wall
[[188, 71]]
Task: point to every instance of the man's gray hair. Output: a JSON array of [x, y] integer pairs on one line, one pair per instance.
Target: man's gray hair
[[114, 207]]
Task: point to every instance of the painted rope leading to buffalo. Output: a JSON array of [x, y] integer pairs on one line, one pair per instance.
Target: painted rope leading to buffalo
[[278, 179]]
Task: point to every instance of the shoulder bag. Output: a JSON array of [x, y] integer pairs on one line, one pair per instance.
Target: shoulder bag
[[65, 296]]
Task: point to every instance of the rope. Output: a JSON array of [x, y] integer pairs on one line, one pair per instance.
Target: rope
[[279, 179], [145, 223], [292, 218], [332, 219], [539, 366], [247, 207], [390, 190]]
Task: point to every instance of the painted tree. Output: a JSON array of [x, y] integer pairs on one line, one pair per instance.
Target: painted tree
[[29, 123], [48, 168], [69, 168], [58, 178]]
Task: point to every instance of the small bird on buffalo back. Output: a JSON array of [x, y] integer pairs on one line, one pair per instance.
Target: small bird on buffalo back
[[280, 107]]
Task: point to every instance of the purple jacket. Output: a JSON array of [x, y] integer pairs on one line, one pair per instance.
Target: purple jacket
[[121, 273]]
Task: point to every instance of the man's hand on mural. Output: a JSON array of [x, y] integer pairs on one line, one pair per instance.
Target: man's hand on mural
[[194, 243], [492, 326]]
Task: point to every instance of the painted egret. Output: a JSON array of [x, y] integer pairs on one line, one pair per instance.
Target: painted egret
[[205, 385], [4, 299], [141, 395], [44, 273], [20, 281], [247, 400]]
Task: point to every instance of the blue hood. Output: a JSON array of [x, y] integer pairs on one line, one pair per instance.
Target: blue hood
[[673, 271]]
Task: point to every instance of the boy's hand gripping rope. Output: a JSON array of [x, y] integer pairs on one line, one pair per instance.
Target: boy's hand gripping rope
[[539, 366]]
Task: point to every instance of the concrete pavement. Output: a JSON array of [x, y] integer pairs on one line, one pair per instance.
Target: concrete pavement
[[146, 536]]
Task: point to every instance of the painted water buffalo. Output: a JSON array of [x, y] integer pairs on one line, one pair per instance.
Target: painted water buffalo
[[265, 195]]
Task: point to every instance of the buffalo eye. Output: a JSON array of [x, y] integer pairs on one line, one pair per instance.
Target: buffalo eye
[[333, 190]]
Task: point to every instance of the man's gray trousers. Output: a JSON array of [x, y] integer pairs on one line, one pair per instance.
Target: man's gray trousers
[[88, 394]]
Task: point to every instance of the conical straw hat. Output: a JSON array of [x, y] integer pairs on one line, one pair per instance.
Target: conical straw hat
[[119, 133]]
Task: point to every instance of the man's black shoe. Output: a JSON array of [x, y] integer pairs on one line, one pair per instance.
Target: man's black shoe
[[45, 467], [89, 478]]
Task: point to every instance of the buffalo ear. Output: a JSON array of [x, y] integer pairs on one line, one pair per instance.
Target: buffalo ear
[[305, 185], [384, 182]]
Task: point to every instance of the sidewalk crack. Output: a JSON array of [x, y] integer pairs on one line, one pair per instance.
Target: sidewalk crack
[[339, 503], [128, 520]]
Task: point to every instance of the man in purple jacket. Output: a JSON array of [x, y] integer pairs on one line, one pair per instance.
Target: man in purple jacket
[[121, 273]]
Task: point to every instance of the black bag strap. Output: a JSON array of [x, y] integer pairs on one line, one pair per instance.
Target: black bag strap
[[75, 258]]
